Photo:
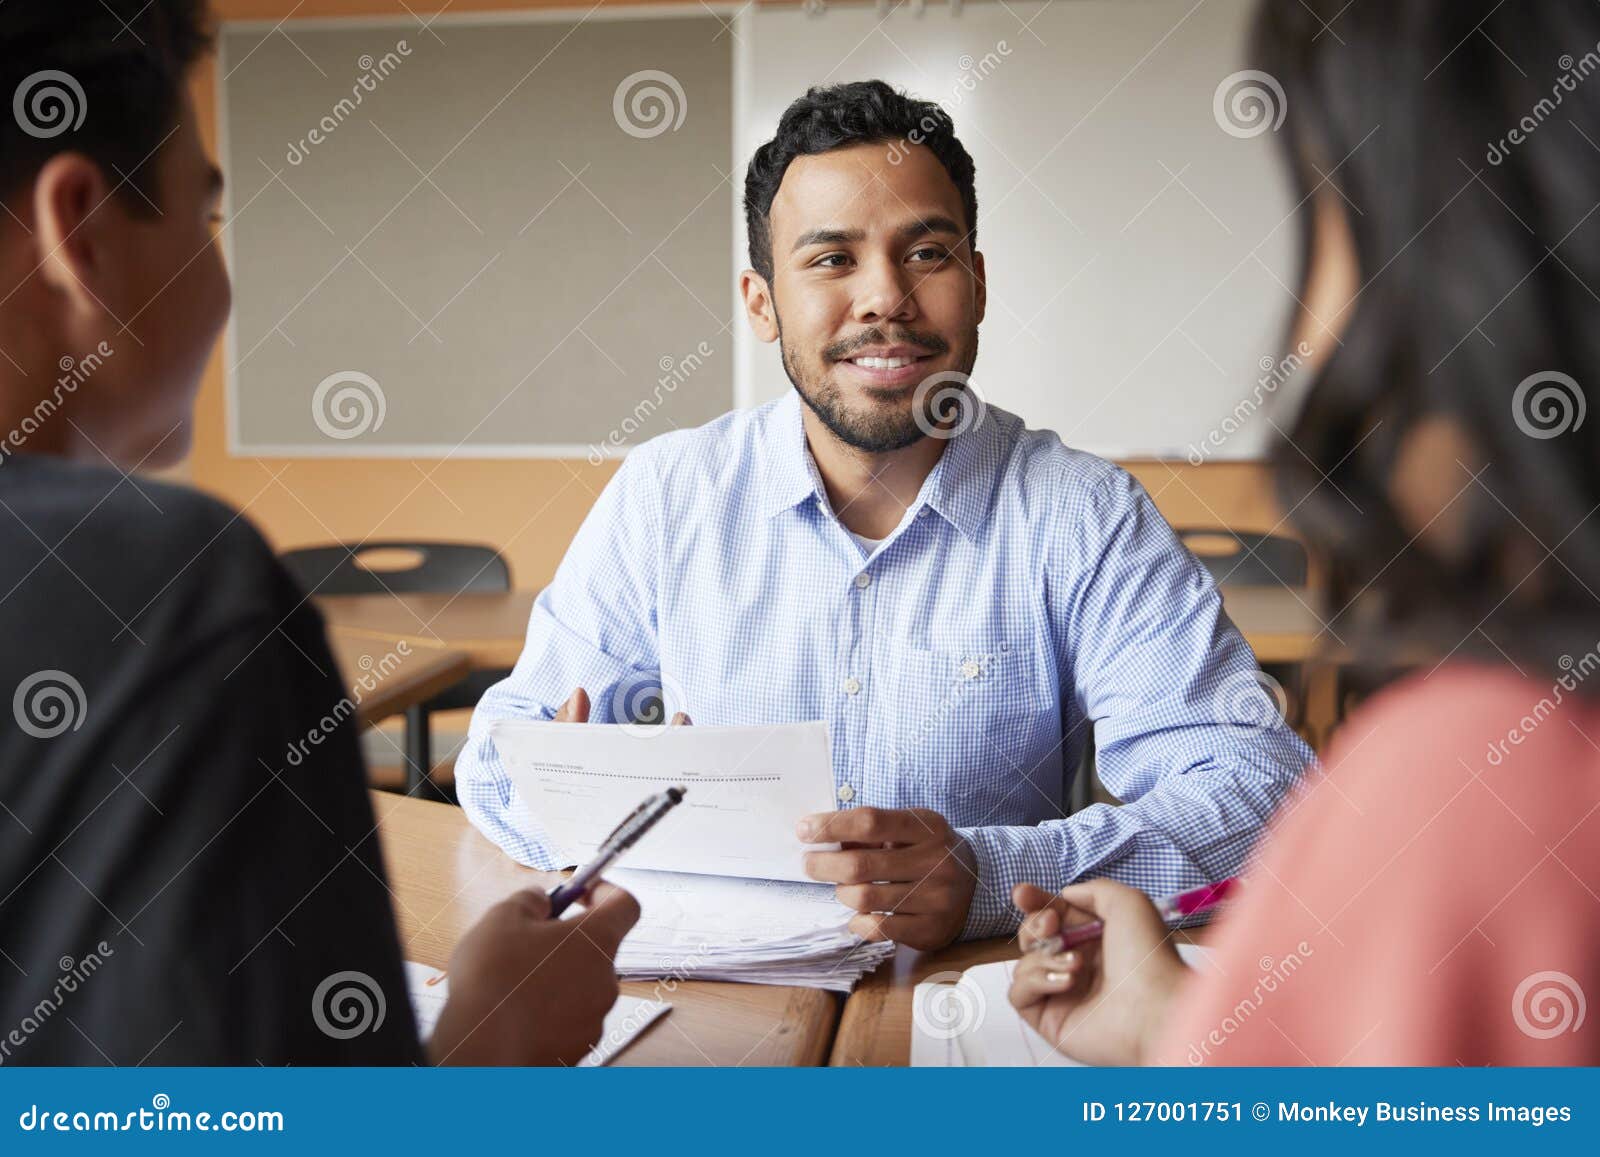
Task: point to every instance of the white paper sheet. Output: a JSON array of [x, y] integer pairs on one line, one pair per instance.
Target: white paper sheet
[[747, 786], [991, 1033], [631, 1015]]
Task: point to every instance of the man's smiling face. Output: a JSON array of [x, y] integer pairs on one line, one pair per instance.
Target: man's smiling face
[[875, 288]]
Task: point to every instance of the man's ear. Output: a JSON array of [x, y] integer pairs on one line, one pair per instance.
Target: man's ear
[[70, 221], [981, 292], [758, 305]]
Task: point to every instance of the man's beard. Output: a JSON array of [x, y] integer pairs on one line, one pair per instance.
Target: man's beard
[[881, 431]]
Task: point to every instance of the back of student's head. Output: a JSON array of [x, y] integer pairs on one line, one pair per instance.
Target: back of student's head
[[101, 77], [1450, 470]]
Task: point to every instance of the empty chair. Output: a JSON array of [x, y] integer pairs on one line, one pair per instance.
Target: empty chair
[[395, 567]]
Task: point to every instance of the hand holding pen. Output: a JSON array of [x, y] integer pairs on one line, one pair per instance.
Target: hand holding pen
[[1171, 909], [1104, 999]]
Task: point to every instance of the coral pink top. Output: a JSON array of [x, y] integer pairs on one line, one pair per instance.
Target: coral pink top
[[1431, 897]]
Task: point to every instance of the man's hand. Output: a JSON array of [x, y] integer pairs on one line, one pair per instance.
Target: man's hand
[[906, 872], [529, 990], [576, 710], [1103, 1002]]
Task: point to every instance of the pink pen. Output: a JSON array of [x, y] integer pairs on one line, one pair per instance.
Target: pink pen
[[1173, 908]]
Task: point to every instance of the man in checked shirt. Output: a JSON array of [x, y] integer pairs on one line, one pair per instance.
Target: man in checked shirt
[[964, 600]]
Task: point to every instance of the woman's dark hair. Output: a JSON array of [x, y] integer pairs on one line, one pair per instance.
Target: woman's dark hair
[[1462, 139], [104, 78], [861, 113]]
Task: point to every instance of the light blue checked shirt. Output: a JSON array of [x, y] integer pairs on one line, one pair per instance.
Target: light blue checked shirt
[[1030, 594]]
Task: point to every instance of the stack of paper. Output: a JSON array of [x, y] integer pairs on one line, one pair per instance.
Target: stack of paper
[[758, 931], [971, 1024], [720, 880]]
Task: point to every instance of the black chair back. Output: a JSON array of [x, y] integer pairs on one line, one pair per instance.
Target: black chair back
[[446, 568], [1248, 560]]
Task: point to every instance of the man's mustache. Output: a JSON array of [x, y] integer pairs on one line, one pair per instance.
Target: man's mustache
[[932, 343]]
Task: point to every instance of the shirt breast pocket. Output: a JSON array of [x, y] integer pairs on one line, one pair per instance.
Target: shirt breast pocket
[[965, 727]]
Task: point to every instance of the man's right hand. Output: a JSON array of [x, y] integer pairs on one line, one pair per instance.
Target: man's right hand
[[529, 990]]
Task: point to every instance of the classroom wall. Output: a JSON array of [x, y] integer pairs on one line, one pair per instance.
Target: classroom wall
[[528, 508]]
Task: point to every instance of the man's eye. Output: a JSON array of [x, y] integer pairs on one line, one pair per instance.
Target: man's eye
[[826, 261], [929, 253]]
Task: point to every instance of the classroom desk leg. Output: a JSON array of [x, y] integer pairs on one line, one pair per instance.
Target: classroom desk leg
[[419, 749]]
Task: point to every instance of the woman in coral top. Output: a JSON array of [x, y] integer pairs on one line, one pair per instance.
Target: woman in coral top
[[1431, 896]]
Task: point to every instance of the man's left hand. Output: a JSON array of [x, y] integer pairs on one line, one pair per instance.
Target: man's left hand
[[907, 873]]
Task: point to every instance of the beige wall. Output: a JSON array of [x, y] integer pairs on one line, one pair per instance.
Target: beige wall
[[528, 508]]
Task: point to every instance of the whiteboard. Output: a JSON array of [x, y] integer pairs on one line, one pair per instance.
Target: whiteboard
[[1139, 256]]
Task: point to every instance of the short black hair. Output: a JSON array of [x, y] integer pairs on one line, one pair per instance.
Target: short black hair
[[104, 78], [862, 112]]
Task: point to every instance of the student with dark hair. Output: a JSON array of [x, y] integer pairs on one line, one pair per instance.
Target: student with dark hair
[[962, 599], [1434, 899], [173, 889]]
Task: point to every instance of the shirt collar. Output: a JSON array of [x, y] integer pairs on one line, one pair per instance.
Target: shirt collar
[[958, 488], [789, 475], [961, 485]]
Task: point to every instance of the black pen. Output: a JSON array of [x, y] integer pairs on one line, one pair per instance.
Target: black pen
[[627, 833]]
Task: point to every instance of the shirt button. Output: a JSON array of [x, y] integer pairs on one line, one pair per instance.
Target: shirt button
[[971, 669], [863, 581], [851, 685], [846, 793]]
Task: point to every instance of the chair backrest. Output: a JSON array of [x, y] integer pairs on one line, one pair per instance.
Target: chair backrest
[[1248, 560], [401, 567]]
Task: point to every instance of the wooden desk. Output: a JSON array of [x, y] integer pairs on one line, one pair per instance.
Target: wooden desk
[[875, 1028], [488, 627], [399, 681], [444, 875]]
